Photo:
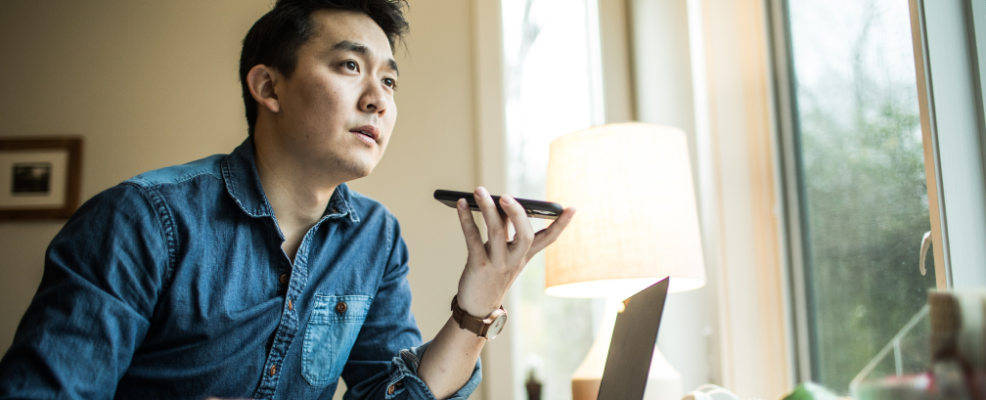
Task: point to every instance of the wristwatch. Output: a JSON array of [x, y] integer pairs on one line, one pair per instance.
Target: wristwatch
[[487, 327]]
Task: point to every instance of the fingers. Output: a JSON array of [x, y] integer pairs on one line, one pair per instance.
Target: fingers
[[524, 232], [525, 243], [548, 235], [495, 229], [474, 241]]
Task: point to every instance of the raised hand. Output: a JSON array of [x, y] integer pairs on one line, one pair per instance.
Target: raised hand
[[492, 267]]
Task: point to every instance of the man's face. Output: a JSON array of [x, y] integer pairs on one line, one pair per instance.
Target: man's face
[[337, 109]]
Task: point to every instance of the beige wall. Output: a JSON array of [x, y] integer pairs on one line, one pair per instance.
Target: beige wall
[[151, 84]]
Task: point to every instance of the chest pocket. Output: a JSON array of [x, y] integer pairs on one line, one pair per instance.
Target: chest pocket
[[330, 335]]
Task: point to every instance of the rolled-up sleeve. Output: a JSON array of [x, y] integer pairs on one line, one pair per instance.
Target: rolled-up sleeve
[[384, 360], [406, 371]]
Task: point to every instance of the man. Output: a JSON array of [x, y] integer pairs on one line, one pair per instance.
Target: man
[[260, 274]]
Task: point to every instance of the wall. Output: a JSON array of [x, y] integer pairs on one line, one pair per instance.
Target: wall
[[702, 65], [664, 95], [738, 106], [152, 84]]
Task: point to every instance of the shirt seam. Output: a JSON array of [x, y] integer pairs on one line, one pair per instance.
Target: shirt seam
[[166, 223], [412, 357], [144, 183], [390, 233]]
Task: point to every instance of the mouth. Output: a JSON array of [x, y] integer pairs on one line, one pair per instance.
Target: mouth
[[367, 131]]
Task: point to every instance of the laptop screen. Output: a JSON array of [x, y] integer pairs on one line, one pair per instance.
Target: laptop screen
[[632, 345]]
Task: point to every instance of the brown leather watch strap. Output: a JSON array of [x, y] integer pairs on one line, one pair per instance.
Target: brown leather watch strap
[[477, 325]]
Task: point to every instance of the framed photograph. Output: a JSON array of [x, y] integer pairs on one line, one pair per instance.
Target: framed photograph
[[39, 177]]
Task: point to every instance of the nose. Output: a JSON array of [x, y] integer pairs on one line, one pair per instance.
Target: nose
[[375, 99]]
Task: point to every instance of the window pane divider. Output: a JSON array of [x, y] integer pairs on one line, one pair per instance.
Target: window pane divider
[[785, 106]]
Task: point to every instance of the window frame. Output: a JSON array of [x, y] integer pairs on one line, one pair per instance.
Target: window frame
[[785, 108], [949, 47], [739, 173], [941, 77]]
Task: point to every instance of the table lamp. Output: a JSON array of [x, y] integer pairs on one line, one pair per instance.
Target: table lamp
[[637, 224]]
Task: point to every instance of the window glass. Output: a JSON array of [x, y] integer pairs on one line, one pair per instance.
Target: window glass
[[862, 188], [549, 94]]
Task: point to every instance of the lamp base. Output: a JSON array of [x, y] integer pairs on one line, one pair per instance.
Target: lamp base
[[663, 381], [585, 389]]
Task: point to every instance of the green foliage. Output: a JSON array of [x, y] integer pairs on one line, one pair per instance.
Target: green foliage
[[864, 211]]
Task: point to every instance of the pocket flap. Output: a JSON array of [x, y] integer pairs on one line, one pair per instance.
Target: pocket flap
[[332, 309]]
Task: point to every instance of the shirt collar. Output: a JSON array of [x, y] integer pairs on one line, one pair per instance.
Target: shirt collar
[[243, 184]]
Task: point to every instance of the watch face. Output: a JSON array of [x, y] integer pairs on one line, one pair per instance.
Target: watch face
[[496, 326]]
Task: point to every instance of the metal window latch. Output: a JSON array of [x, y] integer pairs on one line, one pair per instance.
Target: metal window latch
[[925, 245]]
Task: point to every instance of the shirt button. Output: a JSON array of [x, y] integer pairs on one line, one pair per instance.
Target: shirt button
[[341, 307], [390, 390], [273, 370], [284, 279], [290, 305]]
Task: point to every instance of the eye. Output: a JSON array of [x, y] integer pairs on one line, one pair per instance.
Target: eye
[[390, 82], [351, 65]]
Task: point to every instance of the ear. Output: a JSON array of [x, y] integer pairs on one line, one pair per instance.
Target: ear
[[261, 80]]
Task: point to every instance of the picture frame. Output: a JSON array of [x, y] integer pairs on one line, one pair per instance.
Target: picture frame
[[40, 177]]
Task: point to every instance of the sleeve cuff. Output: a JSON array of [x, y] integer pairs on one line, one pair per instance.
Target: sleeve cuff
[[404, 377]]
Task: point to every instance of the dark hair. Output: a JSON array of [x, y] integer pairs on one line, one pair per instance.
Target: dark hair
[[275, 38]]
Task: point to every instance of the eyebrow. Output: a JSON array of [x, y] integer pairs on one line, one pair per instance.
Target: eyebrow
[[363, 50]]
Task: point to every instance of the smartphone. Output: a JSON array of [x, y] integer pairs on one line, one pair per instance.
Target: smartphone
[[534, 208]]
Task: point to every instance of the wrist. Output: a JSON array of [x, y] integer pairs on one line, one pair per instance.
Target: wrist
[[488, 326], [475, 308]]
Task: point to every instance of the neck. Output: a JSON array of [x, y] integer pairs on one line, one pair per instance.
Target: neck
[[298, 201]]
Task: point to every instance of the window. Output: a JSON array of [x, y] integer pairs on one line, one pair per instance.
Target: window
[[551, 89], [862, 197]]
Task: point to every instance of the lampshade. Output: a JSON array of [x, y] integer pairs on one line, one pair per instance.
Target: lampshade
[[637, 221]]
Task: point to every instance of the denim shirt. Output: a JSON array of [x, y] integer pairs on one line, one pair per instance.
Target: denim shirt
[[173, 284]]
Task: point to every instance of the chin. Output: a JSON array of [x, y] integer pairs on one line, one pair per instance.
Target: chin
[[357, 168]]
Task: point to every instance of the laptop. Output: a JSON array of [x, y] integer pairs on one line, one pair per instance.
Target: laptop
[[632, 345]]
